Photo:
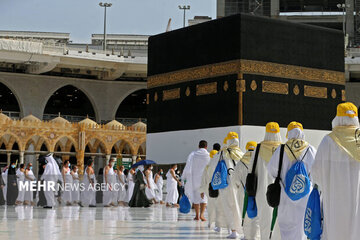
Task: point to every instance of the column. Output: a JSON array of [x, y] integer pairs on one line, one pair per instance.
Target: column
[[8, 158], [350, 21], [274, 8], [36, 170], [21, 154], [80, 160]]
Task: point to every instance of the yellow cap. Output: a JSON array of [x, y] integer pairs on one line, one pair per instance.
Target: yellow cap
[[294, 125], [272, 127], [347, 109], [213, 153], [251, 145], [231, 135]]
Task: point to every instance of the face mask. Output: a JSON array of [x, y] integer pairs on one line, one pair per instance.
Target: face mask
[[69, 164], [13, 166], [112, 164], [151, 168], [161, 173], [30, 168], [175, 169]]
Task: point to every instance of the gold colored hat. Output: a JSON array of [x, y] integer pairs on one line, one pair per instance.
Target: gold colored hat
[[251, 145], [347, 109], [272, 127]]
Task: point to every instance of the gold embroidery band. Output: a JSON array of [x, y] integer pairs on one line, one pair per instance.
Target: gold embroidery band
[[171, 94], [275, 87], [207, 88], [316, 92], [247, 67]]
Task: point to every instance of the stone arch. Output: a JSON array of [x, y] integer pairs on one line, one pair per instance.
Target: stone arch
[[127, 97], [141, 149], [126, 147], [63, 143], [94, 144], [9, 139], [37, 141], [82, 92], [12, 90]]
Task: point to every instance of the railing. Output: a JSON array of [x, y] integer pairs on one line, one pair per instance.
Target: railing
[[70, 118], [130, 121], [12, 115]]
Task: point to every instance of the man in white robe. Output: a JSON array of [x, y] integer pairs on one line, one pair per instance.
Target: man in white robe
[[336, 171], [194, 172], [50, 176], [229, 207], [291, 213], [250, 227], [110, 194], [271, 142], [205, 182]]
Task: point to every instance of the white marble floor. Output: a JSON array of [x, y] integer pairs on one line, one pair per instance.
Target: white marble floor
[[157, 222]]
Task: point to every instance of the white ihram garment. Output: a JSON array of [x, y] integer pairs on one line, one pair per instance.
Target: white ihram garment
[[291, 213], [75, 193], [198, 160], [171, 189], [131, 185], [264, 180], [229, 208], [29, 195], [21, 180], [150, 192], [337, 174], [212, 205], [88, 196], [122, 190], [67, 187], [159, 185], [110, 196]]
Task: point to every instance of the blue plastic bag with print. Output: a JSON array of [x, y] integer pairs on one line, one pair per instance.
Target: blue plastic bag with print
[[219, 179], [312, 220], [251, 207], [297, 181], [185, 205]]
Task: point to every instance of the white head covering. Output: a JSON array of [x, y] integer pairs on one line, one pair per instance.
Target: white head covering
[[345, 121], [52, 168], [296, 133], [274, 137], [233, 142]]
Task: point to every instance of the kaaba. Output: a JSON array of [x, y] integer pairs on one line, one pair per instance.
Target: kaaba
[[238, 73]]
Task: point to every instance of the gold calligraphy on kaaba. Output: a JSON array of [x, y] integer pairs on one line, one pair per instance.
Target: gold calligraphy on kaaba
[[316, 92], [171, 94], [247, 67], [275, 87], [207, 88], [343, 95]]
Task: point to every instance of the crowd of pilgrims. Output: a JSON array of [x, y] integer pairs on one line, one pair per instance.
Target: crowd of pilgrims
[[114, 186], [297, 168], [333, 169]]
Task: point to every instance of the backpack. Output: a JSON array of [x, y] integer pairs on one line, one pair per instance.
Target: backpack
[[312, 219], [297, 181], [251, 179], [274, 190], [219, 179]]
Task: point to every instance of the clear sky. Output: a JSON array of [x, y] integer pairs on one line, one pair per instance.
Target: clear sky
[[81, 18]]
